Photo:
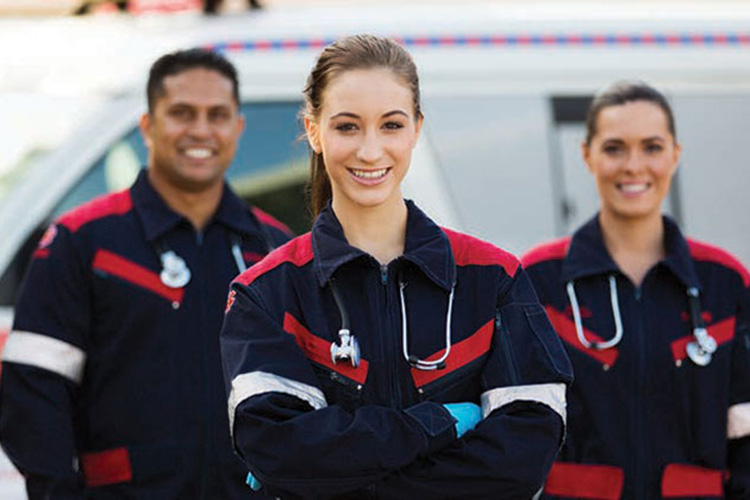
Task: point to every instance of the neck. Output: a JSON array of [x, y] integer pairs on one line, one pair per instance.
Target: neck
[[196, 206], [636, 245], [380, 231]]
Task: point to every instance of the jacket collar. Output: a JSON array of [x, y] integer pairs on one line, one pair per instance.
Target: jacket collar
[[157, 218], [427, 247], [588, 256]]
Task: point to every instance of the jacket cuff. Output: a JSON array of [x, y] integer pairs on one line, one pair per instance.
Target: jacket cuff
[[437, 423]]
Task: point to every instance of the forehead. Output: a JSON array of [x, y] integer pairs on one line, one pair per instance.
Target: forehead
[[363, 91], [633, 120], [199, 87]]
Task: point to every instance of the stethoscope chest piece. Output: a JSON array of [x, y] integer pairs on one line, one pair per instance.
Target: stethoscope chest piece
[[702, 348], [175, 272], [347, 349]]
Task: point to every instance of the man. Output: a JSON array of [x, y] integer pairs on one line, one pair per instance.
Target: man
[[111, 381]]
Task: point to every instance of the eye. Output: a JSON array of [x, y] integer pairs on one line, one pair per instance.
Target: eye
[[654, 148], [612, 149], [219, 115], [346, 127], [180, 113], [393, 125]]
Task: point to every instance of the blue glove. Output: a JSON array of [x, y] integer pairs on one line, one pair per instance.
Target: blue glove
[[252, 482], [467, 415]]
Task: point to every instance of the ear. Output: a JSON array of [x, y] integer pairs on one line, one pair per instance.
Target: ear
[[144, 124], [418, 128], [312, 131], [677, 154], [586, 154]]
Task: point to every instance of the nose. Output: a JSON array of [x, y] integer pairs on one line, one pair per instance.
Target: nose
[[634, 162], [200, 126], [370, 149]]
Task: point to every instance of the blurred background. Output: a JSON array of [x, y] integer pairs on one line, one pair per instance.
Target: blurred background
[[505, 88]]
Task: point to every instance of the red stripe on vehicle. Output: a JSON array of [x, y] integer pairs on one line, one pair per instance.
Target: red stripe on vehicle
[[566, 330], [601, 482], [470, 251], [319, 351], [461, 354], [723, 332], [297, 251], [270, 220], [106, 467], [682, 480], [111, 204], [553, 250], [705, 252], [131, 272]]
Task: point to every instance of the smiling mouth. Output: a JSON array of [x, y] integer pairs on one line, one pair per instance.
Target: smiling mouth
[[369, 174], [198, 153], [634, 188]]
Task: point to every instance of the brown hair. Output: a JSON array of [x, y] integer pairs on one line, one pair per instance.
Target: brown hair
[[623, 92], [350, 53]]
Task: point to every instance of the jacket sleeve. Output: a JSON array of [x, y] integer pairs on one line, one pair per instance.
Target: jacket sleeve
[[510, 452], [294, 443], [738, 421], [42, 366]]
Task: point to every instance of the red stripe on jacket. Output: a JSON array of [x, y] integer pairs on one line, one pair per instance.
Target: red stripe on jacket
[[112, 204], [270, 220], [470, 251], [319, 351], [553, 250], [601, 482], [722, 331], [682, 480], [461, 354], [297, 251], [131, 272], [106, 467], [705, 252], [566, 330]]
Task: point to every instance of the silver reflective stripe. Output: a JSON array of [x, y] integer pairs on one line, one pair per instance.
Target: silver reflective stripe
[[552, 395], [738, 421], [45, 352], [251, 384]]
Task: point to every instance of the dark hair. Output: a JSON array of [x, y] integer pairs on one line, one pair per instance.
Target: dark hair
[[183, 60], [351, 53], [623, 92]]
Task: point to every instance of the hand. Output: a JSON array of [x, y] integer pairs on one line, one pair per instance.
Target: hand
[[252, 482], [467, 415]]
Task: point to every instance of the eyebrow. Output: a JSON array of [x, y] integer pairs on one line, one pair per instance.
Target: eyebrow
[[347, 114]]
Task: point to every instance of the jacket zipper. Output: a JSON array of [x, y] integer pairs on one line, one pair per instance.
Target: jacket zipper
[[390, 351], [641, 455]]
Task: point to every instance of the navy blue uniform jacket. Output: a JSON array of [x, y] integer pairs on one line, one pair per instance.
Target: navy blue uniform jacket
[[644, 421], [111, 383], [308, 428]]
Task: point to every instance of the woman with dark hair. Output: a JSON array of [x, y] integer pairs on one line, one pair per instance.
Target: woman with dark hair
[[656, 326], [380, 356]]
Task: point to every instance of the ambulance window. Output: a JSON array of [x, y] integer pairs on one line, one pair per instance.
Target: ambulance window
[[269, 169]]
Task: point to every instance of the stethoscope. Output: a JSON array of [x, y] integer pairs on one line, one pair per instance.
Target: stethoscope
[[175, 272], [700, 350], [347, 348]]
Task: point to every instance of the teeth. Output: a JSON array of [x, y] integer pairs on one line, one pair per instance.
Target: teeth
[[198, 153], [370, 174], [633, 188]]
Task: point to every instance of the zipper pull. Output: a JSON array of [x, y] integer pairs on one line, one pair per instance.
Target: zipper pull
[[384, 274]]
